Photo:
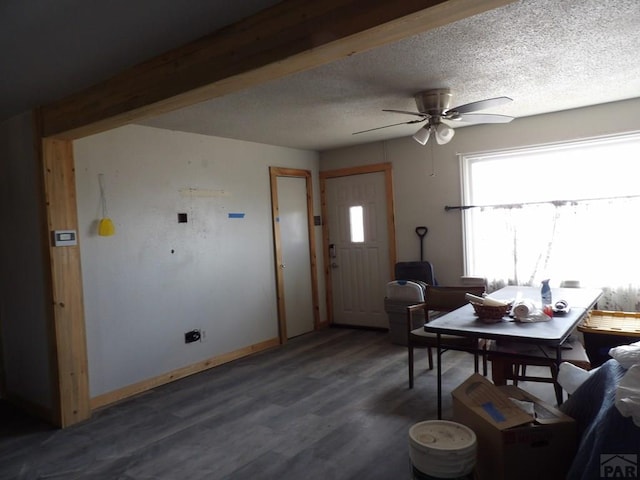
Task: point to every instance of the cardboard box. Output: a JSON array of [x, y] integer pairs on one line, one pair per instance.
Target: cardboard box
[[513, 444]]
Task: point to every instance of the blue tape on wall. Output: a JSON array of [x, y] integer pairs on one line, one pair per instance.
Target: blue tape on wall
[[236, 215]]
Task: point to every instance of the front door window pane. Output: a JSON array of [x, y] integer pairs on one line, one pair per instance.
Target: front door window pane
[[356, 222]]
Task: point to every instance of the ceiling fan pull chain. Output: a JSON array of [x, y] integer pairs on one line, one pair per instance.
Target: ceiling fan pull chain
[[433, 162]]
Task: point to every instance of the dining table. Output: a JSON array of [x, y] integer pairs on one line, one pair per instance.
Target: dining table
[[464, 322]]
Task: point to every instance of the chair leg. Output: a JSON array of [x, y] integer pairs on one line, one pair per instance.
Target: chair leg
[[483, 346], [430, 358], [476, 363], [558, 390], [410, 362], [516, 368], [556, 385], [485, 370]]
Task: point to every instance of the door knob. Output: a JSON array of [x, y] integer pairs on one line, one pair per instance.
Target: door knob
[[282, 266], [334, 265]]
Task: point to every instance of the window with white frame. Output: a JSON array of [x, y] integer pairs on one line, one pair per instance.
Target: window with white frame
[[565, 211]]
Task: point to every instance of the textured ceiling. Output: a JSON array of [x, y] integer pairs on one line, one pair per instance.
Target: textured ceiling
[[547, 55]]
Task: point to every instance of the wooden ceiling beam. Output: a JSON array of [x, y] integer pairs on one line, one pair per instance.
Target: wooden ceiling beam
[[290, 37]]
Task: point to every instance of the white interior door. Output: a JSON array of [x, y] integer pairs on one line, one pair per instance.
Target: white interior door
[[295, 259], [359, 248]]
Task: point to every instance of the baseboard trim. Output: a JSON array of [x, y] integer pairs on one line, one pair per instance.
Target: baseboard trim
[[114, 396]]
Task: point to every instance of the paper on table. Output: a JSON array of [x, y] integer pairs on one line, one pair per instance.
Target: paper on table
[[486, 301], [469, 297], [492, 302]]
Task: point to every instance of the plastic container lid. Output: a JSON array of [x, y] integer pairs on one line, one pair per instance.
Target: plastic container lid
[[442, 435], [442, 449]]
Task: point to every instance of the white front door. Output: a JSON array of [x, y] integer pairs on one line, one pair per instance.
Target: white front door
[[356, 210]]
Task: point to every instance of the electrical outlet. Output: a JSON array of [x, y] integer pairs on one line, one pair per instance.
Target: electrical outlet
[[192, 336]]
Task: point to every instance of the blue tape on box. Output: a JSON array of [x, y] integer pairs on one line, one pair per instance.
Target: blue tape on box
[[236, 215], [493, 412]]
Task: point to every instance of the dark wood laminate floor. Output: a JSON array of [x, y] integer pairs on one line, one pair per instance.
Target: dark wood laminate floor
[[333, 404]]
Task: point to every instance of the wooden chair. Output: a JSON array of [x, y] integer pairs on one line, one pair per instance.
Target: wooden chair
[[509, 362], [473, 281], [439, 299]]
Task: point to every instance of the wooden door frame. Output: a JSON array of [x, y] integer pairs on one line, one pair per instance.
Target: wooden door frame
[[274, 173], [391, 223], [70, 365]]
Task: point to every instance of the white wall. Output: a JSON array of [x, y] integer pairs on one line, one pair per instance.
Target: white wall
[[156, 279], [420, 198], [22, 282]]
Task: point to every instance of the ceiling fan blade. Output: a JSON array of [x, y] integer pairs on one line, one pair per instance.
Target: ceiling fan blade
[[424, 115], [387, 126], [480, 105], [484, 118]]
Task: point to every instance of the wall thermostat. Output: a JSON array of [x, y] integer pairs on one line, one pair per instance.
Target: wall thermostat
[[64, 238]]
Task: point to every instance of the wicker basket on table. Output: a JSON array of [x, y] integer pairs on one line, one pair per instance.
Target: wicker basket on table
[[490, 312]]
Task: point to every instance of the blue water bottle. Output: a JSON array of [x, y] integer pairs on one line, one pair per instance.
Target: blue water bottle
[[545, 294]]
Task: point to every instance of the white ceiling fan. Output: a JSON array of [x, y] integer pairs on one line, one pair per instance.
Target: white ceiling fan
[[434, 108]]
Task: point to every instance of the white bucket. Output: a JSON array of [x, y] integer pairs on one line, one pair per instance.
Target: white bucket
[[442, 449]]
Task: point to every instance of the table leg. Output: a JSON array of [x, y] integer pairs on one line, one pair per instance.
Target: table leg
[[439, 355], [556, 385]]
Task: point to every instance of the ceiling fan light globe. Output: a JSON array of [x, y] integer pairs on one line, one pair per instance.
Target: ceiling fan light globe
[[422, 135], [444, 134]]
